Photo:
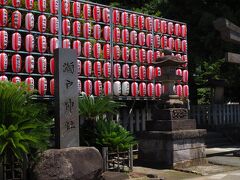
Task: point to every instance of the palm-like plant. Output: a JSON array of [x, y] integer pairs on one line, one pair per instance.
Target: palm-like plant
[[24, 126]]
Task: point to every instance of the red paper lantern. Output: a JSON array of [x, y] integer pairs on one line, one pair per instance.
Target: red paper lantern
[[158, 89], [179, 90], [42, 23], [4, 40], [125, 71], [148, 23], [142, 89], [133, 37], [87, 68], [149, 40], [124, 18], [87, 49], [184, 45], [66, 43], [142, 72], [125, 53], [158, 72], [15, 3], [42, 5], [30, 83], [177, 44], [79, 86], [97, 50], [185, 91], [133, 54], [141, 22], [66, 7], [3, 78], [184, 30], [116, 34], [134, 89], [185, 58], [179, 56], [163, 25], [107, 88], [42, 86], [107, 69], [170, 43], [54, 6], [54, 25], [164, 41], [3, 17], [66, 27], [97, 88], [125, 36], [52, 87], [150, 72], [117, 70], [134, 72], [106, 15], [106, 51], [42, 44], [116, 52], [86, 11], [97, 69], [156, 25], [125, 88], [76, 9], [29, 4], [16, 41], [3, 2], [97, 13], [117, 88], [142, 55], [116, 17], [29, 43], [16, 80], [52, 66], [133, 20], [157, 41], [97, 31], [16, 19], [149, 56], [170, 28], [86, 30], [106, 33], [88, 87], [141, 38], [53, 44], [29, 21], [179, 72], [29, 64], [76, 28], [42, 65], [157, 54], [150, 89], [3, 62], [177, 29], [185, 76]]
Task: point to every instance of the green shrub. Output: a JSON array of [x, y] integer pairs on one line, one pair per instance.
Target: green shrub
[[24, 124]]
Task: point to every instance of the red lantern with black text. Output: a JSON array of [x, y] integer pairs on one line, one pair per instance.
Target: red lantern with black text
[[116, 17], [177, 29], [3, 78], [116, 52], [97, 88], [42, 44], [163, 25], [29, 21], [76, 28], [134, 89], [125, 36], [66, 7], [125, 54], [79, 67], [149, 40], [87, 68], [184, 30], [66, 43], [117, 88], [52, 66], [77, 46], [76, 9], [149, 56], [125, 88], [29, 4], [30, 83], [124, 19], [42, 23], [133, 54], [16, 41], [185, 91], [179, 90], [3, 62], [106, 33], [86, 30], [142, 72], [158, 72], [156, 25], [66, 27], [97, 13], [156, 55], [79, 87], [148, 23], [170, 43], [116, 34], [52, 87], [106, 15], [133, 20], [157, 41], [42, 65], [97, 50], [16, 19], [185, 76], [106, 51], [177, 44], [170, 28], [42, 86], [184, 46], [29, 43], [97, 31], [87, 49], [117, 70], [54, 25], [107, 69], [158, 89], [16, 79], [88, 87], [53, 44], [97, 69], [86, 11], [142, 89], [142, 55], [54, 6], [141, 38], [15, 3], [42, 5], [107, 88], [134, 71], [133, 37], [29, 64], [164, 41], [150, 89], [141, 22], [125, 71], [3, 17], [150, 73]]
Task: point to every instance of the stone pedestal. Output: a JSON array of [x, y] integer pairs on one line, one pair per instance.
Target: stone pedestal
[[172, 140]]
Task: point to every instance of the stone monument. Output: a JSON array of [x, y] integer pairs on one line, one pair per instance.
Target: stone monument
[[171, 138]]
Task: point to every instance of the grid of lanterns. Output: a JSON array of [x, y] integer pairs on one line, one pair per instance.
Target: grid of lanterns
[[111, 59]]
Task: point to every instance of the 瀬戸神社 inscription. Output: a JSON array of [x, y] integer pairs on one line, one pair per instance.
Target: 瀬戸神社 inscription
[[66, 97]]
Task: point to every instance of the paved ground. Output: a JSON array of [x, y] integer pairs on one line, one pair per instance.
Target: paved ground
[[232, 175]]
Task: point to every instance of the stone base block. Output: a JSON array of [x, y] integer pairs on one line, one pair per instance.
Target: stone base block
[[171, 114], [171, 125], [172, 149]]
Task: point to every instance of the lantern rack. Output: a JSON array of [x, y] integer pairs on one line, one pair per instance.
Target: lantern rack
[[90, 39]]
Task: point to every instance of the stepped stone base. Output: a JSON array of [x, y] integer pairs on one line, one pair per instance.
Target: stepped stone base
[[172, 149]]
